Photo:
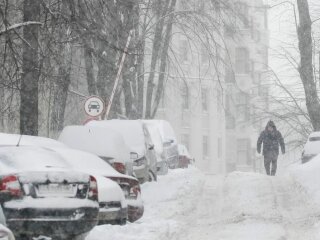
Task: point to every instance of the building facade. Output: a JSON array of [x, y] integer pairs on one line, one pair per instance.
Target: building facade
[[214, 97]]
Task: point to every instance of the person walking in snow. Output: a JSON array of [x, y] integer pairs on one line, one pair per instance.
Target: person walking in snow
[[271, 138]]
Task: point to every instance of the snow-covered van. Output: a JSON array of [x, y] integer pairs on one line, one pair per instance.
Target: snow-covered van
[[169, 141], [311, 148], [137, 137], [103, 142]]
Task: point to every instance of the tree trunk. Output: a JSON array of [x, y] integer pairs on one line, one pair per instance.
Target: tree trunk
[[88, 59], [161, 10], [163, 60], [306, 64], [30, 66]]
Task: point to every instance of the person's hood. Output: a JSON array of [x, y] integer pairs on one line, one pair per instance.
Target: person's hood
[[271, 124]]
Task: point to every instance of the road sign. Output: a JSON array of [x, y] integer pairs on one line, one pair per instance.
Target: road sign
[[94, 106]]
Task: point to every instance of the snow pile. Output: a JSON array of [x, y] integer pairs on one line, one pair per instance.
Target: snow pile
[[308, 177], [167, 203]]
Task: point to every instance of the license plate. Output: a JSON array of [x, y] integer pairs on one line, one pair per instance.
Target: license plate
[[56, 190]]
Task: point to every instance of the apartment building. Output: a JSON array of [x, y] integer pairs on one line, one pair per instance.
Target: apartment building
[[213, 100]]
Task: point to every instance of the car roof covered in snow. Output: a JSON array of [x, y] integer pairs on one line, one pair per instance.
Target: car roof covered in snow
[[88, 163], [165, 129], [104, 142], [25, 140], [131, 130]]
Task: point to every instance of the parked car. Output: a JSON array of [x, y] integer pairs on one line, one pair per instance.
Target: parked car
[[169, 141], [92, 164], [162, 164], [5, 233], [44, 197], [106, 143], [184, 157], [138, 139], [311, 148]]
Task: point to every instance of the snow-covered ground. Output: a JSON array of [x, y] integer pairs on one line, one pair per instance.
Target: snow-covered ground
[[188, 205]]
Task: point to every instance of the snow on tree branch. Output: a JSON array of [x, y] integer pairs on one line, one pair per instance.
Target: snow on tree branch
[[18, 25]]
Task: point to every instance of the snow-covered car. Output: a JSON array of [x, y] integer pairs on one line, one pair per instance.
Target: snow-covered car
[[162, 165], [5, 233], [44, 197], [112, 203], [92, 164], [184, 157], [169, 141], [103, 142], [311, 148], [138, 139]]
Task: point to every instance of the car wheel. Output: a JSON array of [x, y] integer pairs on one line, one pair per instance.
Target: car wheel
[[78, 237], [122, 221], [152, 177]]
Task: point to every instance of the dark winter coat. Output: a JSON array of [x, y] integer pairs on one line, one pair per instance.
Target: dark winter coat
[[271, 141]]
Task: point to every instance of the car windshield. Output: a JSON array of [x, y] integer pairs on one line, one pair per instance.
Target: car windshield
[[314, 139]]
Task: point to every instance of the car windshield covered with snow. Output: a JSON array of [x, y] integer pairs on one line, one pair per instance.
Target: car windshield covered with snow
[[311, 148]]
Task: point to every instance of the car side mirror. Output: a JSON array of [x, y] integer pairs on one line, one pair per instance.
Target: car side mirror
[[134, 155]]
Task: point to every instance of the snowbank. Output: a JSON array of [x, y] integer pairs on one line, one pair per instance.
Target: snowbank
[[167, 203], [308, 177]]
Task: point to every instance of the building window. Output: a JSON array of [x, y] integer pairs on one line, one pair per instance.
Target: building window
[[242, 61], [185, 97], [219, 100], [219, 148], [205, 146], [243, 148], [230, 121], [243, 113], [229, 76], [204, 96], [185, 140]]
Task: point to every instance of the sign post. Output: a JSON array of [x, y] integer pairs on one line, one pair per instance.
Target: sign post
[[118, 77]]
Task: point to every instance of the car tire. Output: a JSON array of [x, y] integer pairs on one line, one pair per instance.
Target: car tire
[[78, 237], [152, 177]]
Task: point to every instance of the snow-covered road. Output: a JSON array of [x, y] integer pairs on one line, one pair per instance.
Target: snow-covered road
[[187, 205]]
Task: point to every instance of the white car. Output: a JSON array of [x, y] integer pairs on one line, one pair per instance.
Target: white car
[[45, 197], [138, 139], [162, 164], [92, 164], [311, 148], [169, 141]]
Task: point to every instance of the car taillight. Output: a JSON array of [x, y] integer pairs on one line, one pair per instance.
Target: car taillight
[[120, 167], [135, 191], [93, 189], [12, 185]]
